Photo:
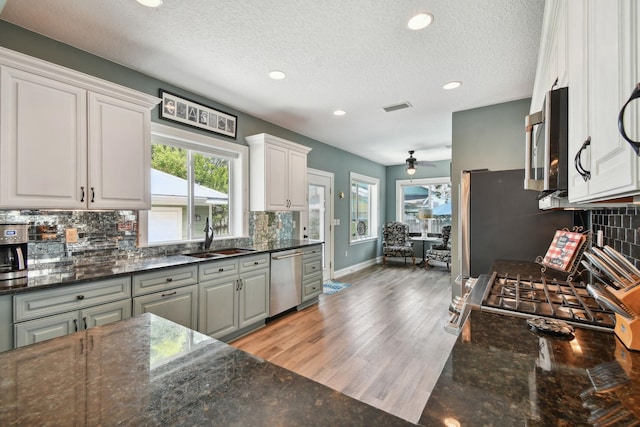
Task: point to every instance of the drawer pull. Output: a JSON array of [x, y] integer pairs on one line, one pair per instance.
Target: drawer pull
[[169, 279], [170, 293], [313, 268], [221, 269], [75, 324], [85, 322], [256, 262], [80, 297]]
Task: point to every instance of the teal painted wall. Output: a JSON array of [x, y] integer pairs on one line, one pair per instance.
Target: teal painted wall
[[484, 138], [396, 173], [322, 156]]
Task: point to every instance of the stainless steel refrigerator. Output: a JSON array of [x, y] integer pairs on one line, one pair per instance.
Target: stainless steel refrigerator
[[499, 219]]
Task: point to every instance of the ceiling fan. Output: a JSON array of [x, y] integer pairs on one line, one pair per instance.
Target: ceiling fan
[[412, 162]]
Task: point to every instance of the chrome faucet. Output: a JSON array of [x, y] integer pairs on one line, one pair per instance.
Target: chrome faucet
[[208, 235]]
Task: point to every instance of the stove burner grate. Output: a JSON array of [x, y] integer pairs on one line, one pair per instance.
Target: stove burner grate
[[569, 301]]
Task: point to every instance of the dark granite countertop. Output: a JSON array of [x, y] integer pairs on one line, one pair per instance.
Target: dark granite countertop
[[71, 272], [149, 371], [500, 372]]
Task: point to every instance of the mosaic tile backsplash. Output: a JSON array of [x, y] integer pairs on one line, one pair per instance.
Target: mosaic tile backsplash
[[112, 235], [621, 230]]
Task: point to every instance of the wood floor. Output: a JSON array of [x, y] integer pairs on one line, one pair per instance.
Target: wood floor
[[381, 341]]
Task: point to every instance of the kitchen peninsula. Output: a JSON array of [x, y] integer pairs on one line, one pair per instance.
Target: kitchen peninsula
[[500, 372], [149, 371]]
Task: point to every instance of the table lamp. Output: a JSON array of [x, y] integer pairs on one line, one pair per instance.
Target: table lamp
[[424, 214]]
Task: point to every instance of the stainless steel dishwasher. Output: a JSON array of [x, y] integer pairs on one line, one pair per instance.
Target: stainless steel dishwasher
[[286, 281]]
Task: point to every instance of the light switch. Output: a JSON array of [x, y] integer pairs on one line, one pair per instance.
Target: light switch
[[71, 235]]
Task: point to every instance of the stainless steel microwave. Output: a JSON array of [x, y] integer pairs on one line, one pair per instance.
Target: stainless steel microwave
[[546, 151]]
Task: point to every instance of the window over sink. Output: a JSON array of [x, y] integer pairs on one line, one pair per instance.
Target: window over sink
[[195, 179]]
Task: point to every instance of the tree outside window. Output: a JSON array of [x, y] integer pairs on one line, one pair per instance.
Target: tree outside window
[[187, 184]]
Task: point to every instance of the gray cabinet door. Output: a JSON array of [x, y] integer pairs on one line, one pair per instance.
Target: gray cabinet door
[[35, 331], [106, 313], [178, 305], [219, 306], [254, 297]]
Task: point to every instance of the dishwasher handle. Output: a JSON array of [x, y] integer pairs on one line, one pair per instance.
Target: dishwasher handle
[[275, 257]]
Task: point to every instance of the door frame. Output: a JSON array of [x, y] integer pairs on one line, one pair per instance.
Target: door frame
[[329, 215]]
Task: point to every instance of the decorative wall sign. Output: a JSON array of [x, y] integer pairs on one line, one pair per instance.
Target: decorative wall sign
[[179, 109]]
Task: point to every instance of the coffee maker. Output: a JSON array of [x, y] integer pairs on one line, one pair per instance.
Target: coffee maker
[[13, 254]]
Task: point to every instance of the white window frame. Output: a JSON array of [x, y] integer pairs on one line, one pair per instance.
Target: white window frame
[[410, 183], [373, 207], [238, 156]]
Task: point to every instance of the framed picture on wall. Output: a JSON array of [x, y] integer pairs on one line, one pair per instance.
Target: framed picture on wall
[[191, 113]]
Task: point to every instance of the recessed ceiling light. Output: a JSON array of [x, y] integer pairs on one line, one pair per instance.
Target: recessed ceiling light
[[150, 3], [277, 75], [420, 21], [452, 85], [339, 113]]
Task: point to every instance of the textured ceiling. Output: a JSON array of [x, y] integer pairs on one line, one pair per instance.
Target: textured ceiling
[[356, 55]]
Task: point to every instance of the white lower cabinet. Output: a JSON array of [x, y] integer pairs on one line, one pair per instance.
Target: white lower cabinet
[[52, 313], [170, 293], [234, 294]]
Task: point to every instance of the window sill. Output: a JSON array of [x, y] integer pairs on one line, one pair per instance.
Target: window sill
[[367, 240]]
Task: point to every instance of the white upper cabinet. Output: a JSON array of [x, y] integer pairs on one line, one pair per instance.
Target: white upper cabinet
[[603, 69], [71, 141], [278, 174], [551, 71], [119, 154]]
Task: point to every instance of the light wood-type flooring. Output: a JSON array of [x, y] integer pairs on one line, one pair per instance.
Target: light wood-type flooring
[[381, 341]]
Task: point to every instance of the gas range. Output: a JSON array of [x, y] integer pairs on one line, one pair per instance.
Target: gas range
[[544, 297]]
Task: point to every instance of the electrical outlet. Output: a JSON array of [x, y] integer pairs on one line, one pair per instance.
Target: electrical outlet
[[71, 235], [346, 253]]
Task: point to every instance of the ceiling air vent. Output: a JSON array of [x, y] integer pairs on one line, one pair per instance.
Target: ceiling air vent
[[401, 106]]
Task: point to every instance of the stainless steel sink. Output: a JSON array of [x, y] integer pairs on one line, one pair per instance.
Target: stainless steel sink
[[218, 253], [233, 251], [206, 255]]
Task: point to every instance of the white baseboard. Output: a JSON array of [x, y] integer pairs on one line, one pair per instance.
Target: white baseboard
[[356, 267]]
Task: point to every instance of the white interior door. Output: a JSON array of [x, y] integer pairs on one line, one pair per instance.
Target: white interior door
[[318, 218]]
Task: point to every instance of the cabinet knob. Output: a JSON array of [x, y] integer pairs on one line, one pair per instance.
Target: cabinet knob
[[256, 262], [169, 279], [221, 269], [80, 297]]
